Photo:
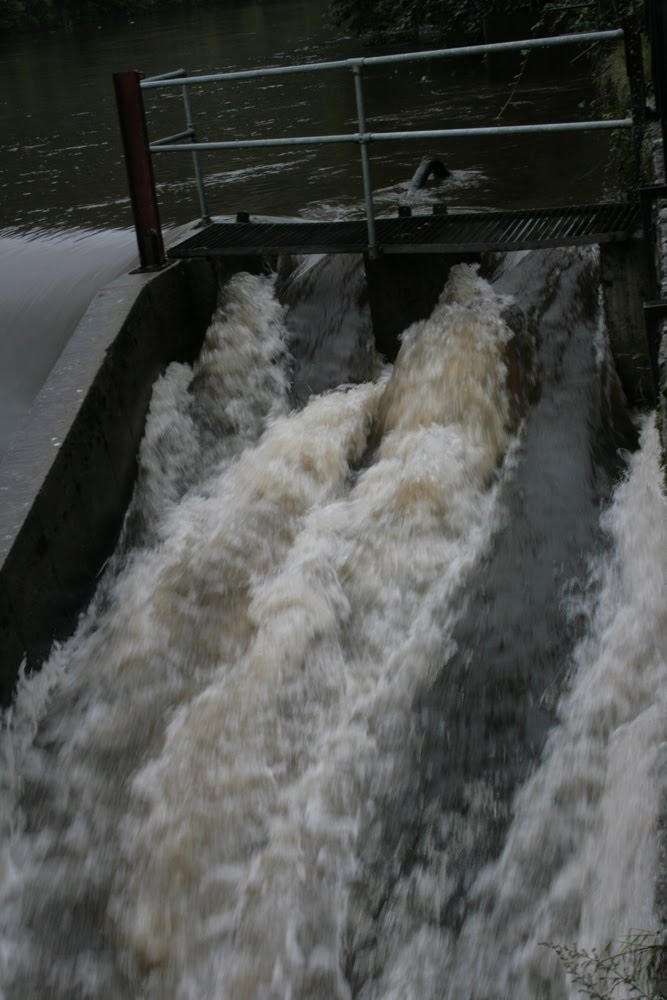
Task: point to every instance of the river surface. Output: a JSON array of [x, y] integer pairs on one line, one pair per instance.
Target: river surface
[[65, 211]]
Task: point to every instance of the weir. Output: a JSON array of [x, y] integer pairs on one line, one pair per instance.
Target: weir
[[65, 496], [414, 254], [228, 756], [453, 237], [369, 698]]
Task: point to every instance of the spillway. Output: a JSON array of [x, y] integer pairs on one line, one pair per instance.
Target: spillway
[[370, 700]]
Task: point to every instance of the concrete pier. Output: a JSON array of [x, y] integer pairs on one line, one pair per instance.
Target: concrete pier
[[624, 289], [404, 288]]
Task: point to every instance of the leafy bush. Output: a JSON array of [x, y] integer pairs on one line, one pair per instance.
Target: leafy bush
[[379, 18], [11, 14], [588, 16], [630, 968]]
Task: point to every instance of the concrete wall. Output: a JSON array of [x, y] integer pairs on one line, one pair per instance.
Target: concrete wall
[[659, 177], [624, 289], [404, 288], [68, 475]]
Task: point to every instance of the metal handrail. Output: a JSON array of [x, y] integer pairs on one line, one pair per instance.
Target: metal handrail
[[361, 61], [180, 78], [171, 75], [158, 146], [188, 133]]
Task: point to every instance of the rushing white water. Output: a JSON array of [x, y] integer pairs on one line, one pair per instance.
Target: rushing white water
[[579, 863], [223, 785]]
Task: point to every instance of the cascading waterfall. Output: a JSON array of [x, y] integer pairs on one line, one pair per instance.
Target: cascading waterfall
[[580, 859], [294, 748]]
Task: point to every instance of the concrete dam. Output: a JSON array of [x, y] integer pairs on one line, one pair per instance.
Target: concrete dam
[[331, 674]]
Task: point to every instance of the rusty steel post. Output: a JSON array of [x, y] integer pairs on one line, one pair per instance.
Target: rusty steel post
[[139, 167]]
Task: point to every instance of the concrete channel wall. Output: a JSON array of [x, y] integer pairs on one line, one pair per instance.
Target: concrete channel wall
[[659, 177], [68, 475]]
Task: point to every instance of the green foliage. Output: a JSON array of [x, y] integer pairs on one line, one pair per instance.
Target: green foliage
[[586, 16], [380, 18], [464, 18], [28, 14], [629, 968], [11, 14]]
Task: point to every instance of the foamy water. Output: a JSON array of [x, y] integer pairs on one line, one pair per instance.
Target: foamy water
[[579, 864], [220, 786]]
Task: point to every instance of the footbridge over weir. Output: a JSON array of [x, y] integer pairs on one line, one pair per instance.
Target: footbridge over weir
[[413, 254], [407, 258]]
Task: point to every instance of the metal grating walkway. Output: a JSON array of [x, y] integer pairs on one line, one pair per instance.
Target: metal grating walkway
[[460, 232]]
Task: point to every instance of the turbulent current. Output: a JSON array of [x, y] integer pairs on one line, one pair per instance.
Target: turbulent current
[[371, 699]]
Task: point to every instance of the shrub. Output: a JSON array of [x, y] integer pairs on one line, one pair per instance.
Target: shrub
[[630, 968]]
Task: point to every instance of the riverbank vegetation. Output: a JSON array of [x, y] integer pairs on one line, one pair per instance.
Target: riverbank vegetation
[[633, 967], [381, 19], [464, 19]]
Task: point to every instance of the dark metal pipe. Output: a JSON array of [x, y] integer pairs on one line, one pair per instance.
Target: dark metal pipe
[[138, 163]]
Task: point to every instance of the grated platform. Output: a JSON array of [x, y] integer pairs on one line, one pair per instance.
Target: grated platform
[[456, 232]]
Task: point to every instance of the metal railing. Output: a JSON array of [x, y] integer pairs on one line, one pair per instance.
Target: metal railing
[[186, 141]]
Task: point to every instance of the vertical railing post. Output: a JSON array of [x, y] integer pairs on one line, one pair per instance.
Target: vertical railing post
[[199, 177], [365, 162], [139, 167]]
